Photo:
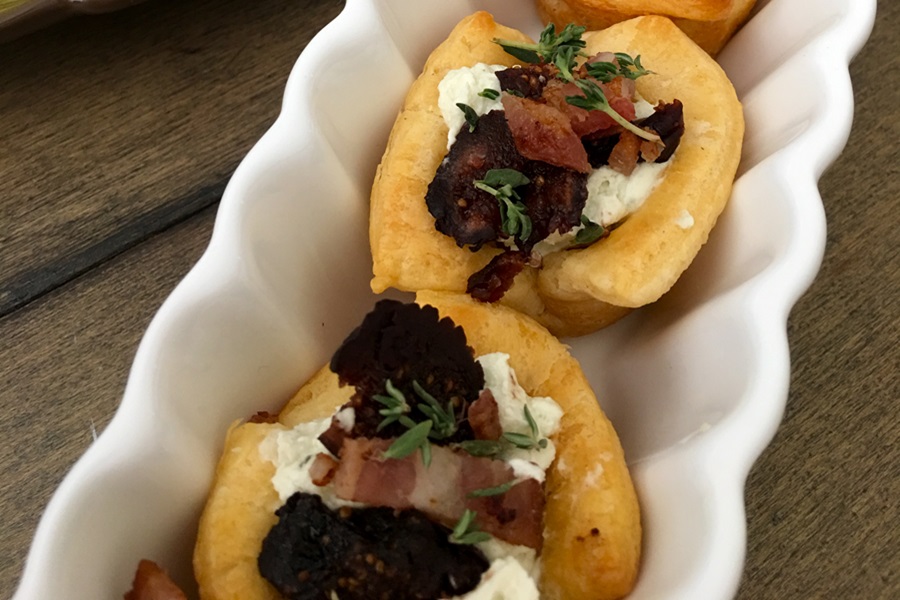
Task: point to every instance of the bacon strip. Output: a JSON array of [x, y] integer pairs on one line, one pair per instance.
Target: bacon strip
[[152, 583], [584, 122], [484, 417], [542, 132], [442, 489]]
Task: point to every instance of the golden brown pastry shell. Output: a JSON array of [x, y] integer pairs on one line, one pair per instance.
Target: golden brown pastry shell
[[592, 519], [576, 291], [710, 23]]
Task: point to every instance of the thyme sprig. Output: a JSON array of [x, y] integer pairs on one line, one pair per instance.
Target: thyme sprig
[[414, 439], [489, 93], [524, 441], [595, 99], [466, 530], [444, 419], [625, 66], [549, 46], [501, 184], [497, 490], [484, 448], [470, 115], [563, 50], [440, 422], [530, 440], [590, 233], [396, 407]]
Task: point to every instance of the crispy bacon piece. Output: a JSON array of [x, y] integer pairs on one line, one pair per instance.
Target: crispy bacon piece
[[441, 490], [152, 583], [484, 417], [624, 156], [585, 122], [542, 132], [404, 343], [527, 81], [494, 280], [315, 553]]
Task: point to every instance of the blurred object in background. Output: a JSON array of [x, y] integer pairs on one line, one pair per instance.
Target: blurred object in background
[[18, 17]]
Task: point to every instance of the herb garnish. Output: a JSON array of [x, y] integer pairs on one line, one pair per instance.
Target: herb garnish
[[590, 233], [595, 99], [412, 440], [501, 184], [625, 66], [496, 490], [467, 532], [488, 448], [492, 448], [470, 114], [527, 441], [562, 50], [489, 93], [444, 419], [396, 407], [549, 46], [440, 424]]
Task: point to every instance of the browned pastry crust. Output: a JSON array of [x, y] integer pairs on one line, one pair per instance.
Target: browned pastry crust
[[710, 23], [576, 291], [592, 533]]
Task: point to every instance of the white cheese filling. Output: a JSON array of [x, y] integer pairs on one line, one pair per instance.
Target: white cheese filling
[[464, 86], [612, 196], [514, 569]]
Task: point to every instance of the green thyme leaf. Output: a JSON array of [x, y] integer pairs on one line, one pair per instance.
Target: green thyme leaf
[[409, 442], [466, 531], [501, 184], [470, 114], [590, 233], [532, 425], [498, 178], [395, 405], [625, 66], [444, 418], [489, 93], [426, 453], [566, 63], [496, 490], [523, 440], [488, 448], [549, 46], [595, 99], [520, 440], [603, 71], [631, 67]]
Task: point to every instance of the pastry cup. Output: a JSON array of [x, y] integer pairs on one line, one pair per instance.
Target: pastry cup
[[577, 291], [592, 531]]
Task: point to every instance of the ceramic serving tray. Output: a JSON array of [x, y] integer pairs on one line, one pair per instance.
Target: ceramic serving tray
[[695, 384]]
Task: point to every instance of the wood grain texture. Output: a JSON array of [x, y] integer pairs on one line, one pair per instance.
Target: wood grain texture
[[100, 122], [823, 502], [118, 133], [63, 364]]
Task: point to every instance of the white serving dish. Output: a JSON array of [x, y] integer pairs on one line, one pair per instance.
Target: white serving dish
[[696, 384]]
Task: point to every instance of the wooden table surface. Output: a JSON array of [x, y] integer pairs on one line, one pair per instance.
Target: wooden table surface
[[118, 134]]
